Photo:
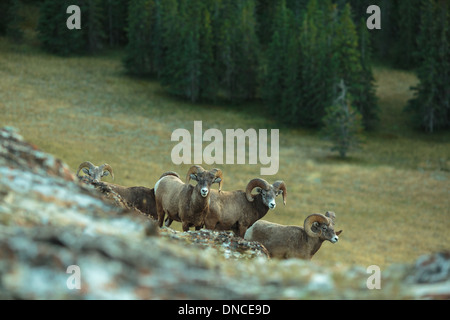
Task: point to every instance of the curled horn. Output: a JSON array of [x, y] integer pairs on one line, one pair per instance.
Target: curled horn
[[314, 219], [85, 164], [194, 169], [257, 182], [218, 174], [107, 167], [280, 185]]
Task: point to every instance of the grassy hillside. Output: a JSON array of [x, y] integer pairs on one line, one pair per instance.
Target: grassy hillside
[[391, 198]]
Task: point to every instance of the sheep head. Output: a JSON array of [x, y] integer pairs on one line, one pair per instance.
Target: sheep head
[[322, 226], [268, 192], [96, 173], [204, 179]]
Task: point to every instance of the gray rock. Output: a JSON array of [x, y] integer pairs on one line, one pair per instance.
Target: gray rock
[[56, 230]]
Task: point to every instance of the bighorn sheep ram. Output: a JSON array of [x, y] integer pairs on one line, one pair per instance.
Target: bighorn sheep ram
[[94, 172], [141, 198], [182, 201], [292, 241], [238, 210]]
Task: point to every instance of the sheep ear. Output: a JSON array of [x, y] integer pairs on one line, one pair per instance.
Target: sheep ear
[[217, 180], [279, 192], [315, 226], [194, 177], [338, 232], [85, 170], [105, 173], [258, 190]]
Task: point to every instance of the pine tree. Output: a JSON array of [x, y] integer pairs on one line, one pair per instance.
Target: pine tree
[[208, 79], [365, 87], [139, 58], [342, 123], [93, 26], [281, 84], [237, 48], [317, 69], [57, 38], [115, 21], [11, 19], [408, 26], [53, 32], [431, 105], [351, 60], [188, 64], [346, 57]]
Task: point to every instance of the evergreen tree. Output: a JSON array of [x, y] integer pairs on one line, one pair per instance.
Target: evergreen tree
[[188, 65], [365, 89], [281, 82], [317, 69], [346, 56], [57, 38], [115, 21], [209, 79], [431, 105], [351, 60], [53, 32], [93, 26], [237, 49], [168, 26], [408, 26], [342, 123], [4, 7], [139, 58], [11, 19], [265, 16]]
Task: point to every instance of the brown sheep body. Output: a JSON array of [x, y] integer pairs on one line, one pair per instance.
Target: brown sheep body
[[238, 210], [286, 242], [184, 202]]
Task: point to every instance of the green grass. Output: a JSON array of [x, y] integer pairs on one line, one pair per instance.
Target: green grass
[[391, 198]]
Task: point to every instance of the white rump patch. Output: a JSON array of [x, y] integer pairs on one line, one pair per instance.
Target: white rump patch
[[157, 183], [249, 233]]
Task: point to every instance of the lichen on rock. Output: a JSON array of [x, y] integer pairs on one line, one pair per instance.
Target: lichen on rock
[[50, 221]]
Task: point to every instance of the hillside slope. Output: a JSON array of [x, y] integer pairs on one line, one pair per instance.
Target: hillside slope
[[50, 225], [86, 108]]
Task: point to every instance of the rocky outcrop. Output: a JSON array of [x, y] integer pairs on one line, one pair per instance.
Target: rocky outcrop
[[64, 239]]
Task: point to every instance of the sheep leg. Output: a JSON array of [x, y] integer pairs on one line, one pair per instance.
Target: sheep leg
[[168, 221], [241, 231], [185, 226], [161, 214], [211, 224]]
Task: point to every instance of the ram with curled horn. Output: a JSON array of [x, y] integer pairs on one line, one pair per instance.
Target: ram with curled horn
[[238, 210], [293, 241], [94, 172], [184, 202]]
